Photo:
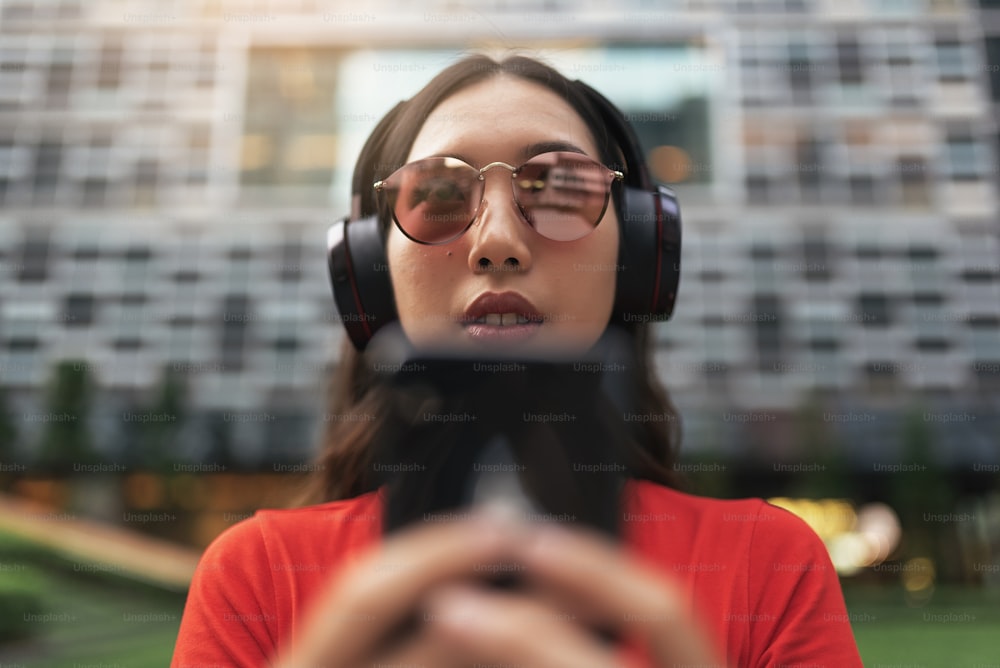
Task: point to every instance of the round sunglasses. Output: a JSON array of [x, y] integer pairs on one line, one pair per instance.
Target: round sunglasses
[[561, 194]]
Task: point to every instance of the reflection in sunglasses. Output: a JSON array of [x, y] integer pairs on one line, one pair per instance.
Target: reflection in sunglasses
[[562, 195]]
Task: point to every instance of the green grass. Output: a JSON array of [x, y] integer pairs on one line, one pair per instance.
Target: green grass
[[957, 628], [90, 617]]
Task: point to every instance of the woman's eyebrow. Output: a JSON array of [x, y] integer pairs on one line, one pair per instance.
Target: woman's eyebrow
[[547, 146], [526, 153]]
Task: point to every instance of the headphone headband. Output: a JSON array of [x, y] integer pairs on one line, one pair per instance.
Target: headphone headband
[[637, 175]]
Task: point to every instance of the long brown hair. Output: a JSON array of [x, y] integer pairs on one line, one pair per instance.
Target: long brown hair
[[344, 468]]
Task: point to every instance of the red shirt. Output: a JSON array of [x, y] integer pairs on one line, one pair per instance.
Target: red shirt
[[757, 576]]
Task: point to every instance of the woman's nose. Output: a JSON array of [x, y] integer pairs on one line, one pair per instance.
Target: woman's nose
[[501, 237]]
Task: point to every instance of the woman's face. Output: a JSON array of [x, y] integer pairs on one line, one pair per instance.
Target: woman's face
[[454, 295]]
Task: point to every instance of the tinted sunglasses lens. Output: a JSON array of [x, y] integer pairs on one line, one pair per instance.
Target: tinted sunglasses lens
[[563, 195], [434, 200]]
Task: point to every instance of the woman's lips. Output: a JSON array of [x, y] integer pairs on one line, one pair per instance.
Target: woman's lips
[[505, 317], [502, 333]]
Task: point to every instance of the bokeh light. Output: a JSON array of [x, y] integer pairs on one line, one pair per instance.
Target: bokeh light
[[855, 539], [670, 164]]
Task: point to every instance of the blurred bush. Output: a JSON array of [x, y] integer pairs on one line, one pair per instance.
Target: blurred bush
[[22, 590]]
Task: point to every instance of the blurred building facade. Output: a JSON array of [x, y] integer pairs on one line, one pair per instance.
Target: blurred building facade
[[168, 171]]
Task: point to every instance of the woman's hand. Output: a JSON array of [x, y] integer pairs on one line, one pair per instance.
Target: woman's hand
[[571, 583]]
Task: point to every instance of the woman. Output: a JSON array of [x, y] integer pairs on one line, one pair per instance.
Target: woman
[[495, 266]]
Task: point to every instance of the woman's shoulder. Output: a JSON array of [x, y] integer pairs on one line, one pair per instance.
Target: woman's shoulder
[[363, 510], [268, 533], [647, 494], [760, 576], [654, 508], [263, 570]]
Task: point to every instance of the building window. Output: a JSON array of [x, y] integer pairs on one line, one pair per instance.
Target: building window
[[34, 265], [849, 61], [86, 252], [48, 165], [286, 344], [816, 253], [862, 189], [766, 315], [186, 276], [127, 344], [59, 82], [918, 253], [978, 276], [757, 188], [928, 300], [824, 345], [109, 74], [289, 118], [11, 156], [912, 172], [138, 254], [965, 156], [290, 269], [764, 273], [882, 376], [715, 373], [206, 66], [984, 335], [951, 60], [23, 344], [809, 169], [761, 252], [137, 264], [711, 275], [78, 310], [800, 66], [932, 344], [874, 310], [94, 192], [993, 65], [199, 145], [147, 174], [867, 251], [232, 342]]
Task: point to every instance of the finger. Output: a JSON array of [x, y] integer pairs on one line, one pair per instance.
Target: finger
[[615, 589], [489, 627], [374, 594], [427, 650]]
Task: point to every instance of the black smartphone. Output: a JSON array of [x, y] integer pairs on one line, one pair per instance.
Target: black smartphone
[[546, 436]]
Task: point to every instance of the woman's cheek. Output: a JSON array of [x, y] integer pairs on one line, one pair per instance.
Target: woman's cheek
[[423, 290]]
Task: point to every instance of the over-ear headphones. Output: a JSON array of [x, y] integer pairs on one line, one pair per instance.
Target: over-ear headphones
[[649, 251]]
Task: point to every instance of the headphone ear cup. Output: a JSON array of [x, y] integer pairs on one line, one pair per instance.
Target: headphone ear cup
[[359, 276], [649, 255]]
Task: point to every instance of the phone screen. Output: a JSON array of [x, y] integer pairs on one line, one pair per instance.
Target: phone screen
[[547, 437]]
